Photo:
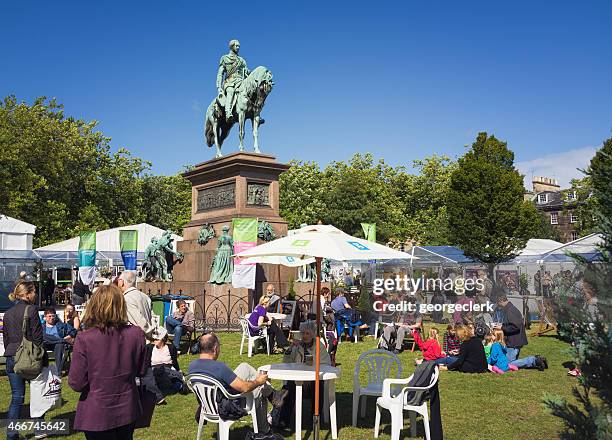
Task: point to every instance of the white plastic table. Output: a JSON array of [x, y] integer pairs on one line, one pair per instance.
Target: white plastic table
[[300, 373]]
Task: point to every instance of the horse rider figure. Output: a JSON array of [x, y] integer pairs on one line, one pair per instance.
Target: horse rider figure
[[232, 70]]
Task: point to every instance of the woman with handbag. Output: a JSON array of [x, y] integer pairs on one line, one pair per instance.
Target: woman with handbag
[[23, 314], [106, 360]]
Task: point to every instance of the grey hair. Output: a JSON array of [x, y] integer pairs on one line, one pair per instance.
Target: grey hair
[[129, 278], [232, 42], [308, 325]]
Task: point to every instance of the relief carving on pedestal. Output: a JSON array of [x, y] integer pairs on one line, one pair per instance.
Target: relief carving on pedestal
[[258, 194], [221, 196]]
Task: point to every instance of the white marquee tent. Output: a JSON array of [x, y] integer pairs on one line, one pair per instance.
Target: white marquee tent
[[15, 235], [107, 244]]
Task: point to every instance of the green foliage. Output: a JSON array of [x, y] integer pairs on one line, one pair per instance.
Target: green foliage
[[544, 230], [584, 204], [59, 174], [362, 190], [167, 201], [488, 216], [291, 291], [587, 322]]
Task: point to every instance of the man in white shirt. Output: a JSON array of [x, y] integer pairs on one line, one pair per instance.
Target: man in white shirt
[[138, 304]]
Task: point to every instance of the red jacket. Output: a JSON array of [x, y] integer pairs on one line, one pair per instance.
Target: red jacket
[[431, 348]]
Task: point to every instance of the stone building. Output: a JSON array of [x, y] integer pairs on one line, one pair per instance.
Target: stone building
[[558, 205]]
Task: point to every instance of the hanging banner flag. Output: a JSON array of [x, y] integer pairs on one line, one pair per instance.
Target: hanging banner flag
[[369, 231], [128, 242], [245, 237], [87, 257]]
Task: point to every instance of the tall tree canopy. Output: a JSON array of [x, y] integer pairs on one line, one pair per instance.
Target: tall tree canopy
[[488, 216], [404, 206], [59, 174]]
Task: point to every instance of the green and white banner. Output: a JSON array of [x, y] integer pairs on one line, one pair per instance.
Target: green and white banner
[[369, 231], [245, 237], [128, 242], [87, 257]]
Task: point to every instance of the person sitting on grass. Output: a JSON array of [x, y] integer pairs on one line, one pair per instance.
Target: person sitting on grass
[[471, 357], [430, 348], [258, 319], [163, 373], [450, 346], [497, 358], [72, 316]]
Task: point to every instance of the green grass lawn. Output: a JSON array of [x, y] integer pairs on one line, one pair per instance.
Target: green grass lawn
[[484, 406]]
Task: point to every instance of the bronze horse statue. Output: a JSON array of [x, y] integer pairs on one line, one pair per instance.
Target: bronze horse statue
[[249, 100]]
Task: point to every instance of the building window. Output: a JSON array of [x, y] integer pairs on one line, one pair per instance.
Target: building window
[[573, 218], [554, 218], [542, 198], [571, 195], [575, 235]]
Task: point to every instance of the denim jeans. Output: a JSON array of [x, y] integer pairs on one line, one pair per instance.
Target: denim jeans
[[17, 395], [175, 326], [513, 354], [446, 360], [59, 349]]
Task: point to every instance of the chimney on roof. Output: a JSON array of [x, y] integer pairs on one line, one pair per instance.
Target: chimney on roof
[[545, 184]]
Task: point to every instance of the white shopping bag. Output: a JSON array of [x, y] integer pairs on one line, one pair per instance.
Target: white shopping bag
[[45, 392]]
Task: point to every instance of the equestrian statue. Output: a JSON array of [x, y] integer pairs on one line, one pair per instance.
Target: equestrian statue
[[242, 95]]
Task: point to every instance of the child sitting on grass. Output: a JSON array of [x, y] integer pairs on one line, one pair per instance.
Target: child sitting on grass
[[430, 348], [488, 343], [497, 358]]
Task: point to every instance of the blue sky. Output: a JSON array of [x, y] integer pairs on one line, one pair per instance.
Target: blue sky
[[401, 79]]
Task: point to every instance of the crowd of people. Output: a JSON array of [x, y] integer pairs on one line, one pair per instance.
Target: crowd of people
[[138, 356]]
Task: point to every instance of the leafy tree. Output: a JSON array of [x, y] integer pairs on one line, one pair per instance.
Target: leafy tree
[[361, 191], [584, 203], [425, 213], [301, 193], [487, 214], [58, 173], [587, 322], [167, 201], [545, 230]]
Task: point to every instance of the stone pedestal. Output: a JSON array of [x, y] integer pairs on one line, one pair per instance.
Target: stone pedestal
[[237, 185]]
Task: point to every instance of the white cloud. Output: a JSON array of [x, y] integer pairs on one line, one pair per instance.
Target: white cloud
[[563, 166]]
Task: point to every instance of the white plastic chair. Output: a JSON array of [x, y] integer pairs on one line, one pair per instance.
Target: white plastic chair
[[246, 334], [206, 390], [379, 365], [397, 405]]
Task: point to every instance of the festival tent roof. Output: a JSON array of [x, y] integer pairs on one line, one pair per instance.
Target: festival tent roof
[[107, 241], [535, 249], [585, 247], [14, 226], [432, 256]]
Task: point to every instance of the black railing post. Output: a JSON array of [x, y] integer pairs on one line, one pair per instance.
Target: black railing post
[[229, 309]]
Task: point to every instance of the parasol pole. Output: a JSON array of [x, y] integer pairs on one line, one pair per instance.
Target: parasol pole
[[315, 417]]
